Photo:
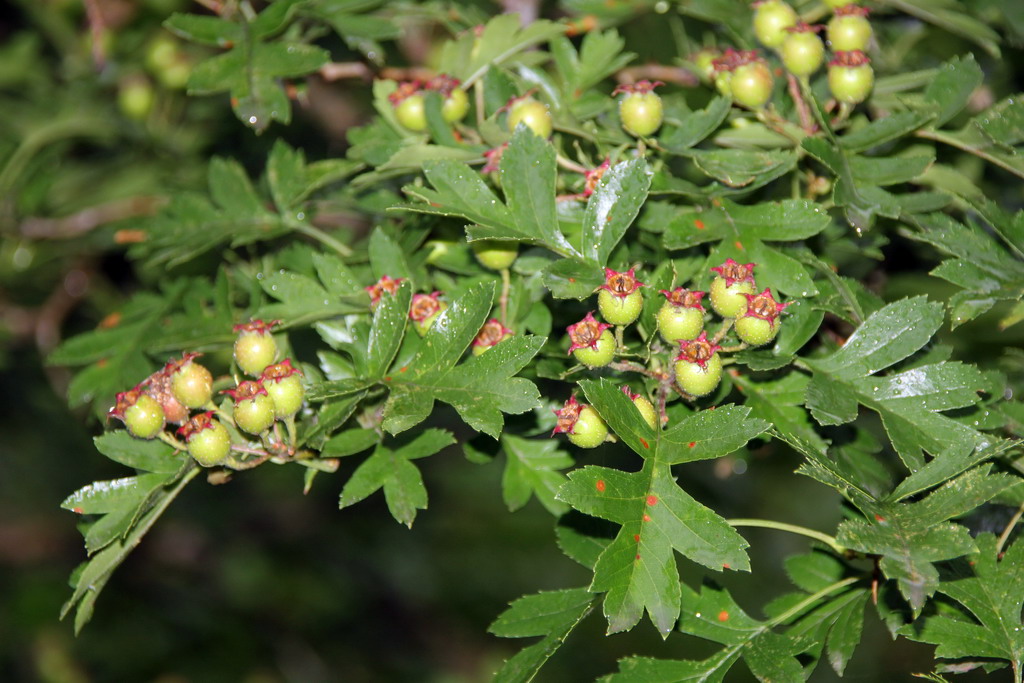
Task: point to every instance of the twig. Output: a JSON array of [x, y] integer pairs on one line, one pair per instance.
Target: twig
[[658, 72], [1003, 537], [804, 112], [89, 219], [96, 28]]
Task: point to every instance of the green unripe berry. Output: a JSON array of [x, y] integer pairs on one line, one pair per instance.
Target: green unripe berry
[[850, 77], [802, 52], [284, 388], [620, 310], [255, 347], [531, 113], [771, 19], [490, 335], [599, 354], [581, 424], [141, 413], [191, 383], [644, 406], [640, 109], [145, 419], [849, 29], [619, 298], [698, 367], [135, 97], [728, 290], [751, 84], [495, 254], [208, 440], [411, 112], [425, 310], [455, 106], [760, 323], [590, 431], [254, 409], [698, 380], [681, 316], [756, 331]]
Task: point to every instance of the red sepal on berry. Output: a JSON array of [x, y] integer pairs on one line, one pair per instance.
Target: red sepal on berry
[[493, 157], [698, 351], [567, 416], [592, 178], [764, 306], [490, 335], [581, 424], [586, 333], [687, 298], [378, 288], [734, 272], [424, 306], [621, 284]]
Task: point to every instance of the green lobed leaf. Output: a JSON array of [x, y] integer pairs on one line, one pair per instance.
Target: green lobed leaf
[[110, 496], [203, 29], [91, 577], [638, 569], [528, 180], [152, 456], [910, 402], [695, 126], [532, 469], [952, 87], [883, 130], [991, 587], [791, 219], [616, 201], [552, 614], [741, 168], [391, 469], [911, 537], [480, 389]]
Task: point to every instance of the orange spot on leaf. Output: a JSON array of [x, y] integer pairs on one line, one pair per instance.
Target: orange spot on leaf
[[638, 556], [880, 518], [77, 510], [647, 518], [112, 320], [699, 224], [636, 537], [726, 566], [651, 500], [738, 245], [572, 279], [387, 378], [600, 485], [692, 444], [644, 442], [723, 616], [403, 368]]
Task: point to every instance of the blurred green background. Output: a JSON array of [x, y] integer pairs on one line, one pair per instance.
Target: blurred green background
[[252, 581]]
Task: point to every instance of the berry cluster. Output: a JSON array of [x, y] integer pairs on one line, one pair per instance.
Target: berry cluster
[[746, 77], [696, 371], [410, 105], [173, 394]]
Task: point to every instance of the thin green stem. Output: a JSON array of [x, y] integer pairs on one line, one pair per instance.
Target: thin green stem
[[813, 598], [506, 285], [620, 344], [946, 138], [1009, 529], [792, 528], [320, 236], [172, 442]]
